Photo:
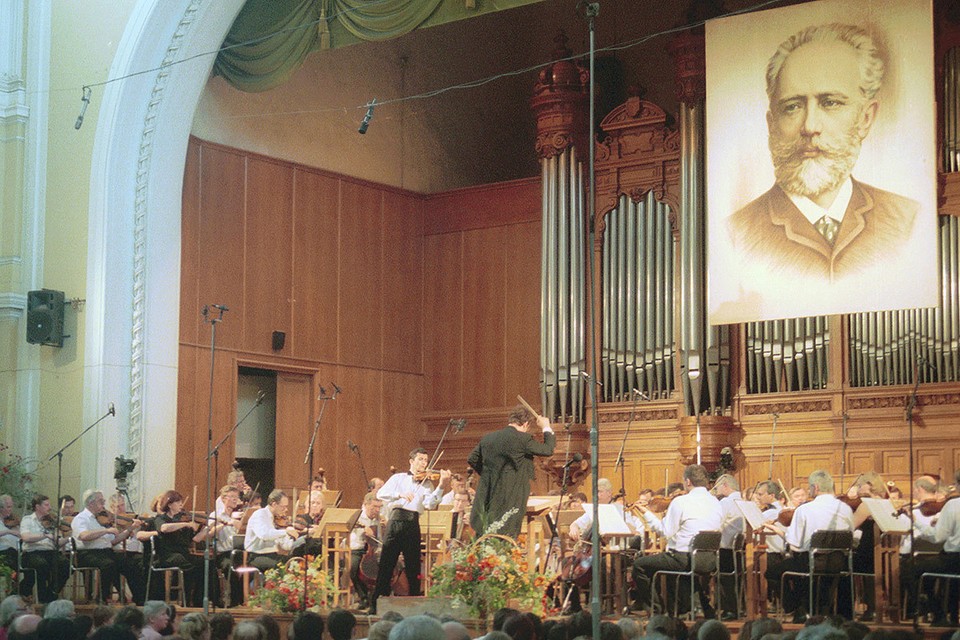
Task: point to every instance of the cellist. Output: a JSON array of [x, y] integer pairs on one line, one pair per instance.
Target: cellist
[[364, 538]]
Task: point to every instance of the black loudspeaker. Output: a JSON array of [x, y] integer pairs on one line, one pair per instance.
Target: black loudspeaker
[[45, 317], [279, 339]]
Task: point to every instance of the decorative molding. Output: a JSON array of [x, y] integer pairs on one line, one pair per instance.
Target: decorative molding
[[7, 261], [135, 426], [800, 406], [641, 415], [688, 50], [559, 102], [12, 305]]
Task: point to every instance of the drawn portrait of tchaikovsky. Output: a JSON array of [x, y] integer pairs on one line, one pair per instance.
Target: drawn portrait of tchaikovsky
[[819, 233]]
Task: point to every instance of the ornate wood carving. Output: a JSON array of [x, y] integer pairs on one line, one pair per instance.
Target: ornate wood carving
[[560, 103], [785, 406], [689, 59], [641, 415], [640, 153], [716, 432]]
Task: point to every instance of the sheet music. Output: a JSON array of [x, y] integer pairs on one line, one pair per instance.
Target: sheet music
[[751, 512], [885, 515], [611, 520]]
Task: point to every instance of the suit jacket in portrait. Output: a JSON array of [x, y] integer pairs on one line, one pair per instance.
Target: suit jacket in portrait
[[504, 460], [772, 232]]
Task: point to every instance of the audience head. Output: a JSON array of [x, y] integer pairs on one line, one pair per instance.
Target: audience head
[[195, 626], [500, 616], [84, 625], [57, 629], [417, 628], [59, 609], [130, 617], [630, 627], [761, 627], [249, 630], [380, 630], [10, 608], [24, 626], [114, 632], [103, 615], [270, 627], [822, 631], [496, 635], [340, 624], [453, 630], [156, 614], [307, 625], [221, 626], [392, 616], [713, 630], [519, 627], [610, 631]]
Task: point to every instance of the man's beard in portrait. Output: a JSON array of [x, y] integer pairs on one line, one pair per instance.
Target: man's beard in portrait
[[811, 177]]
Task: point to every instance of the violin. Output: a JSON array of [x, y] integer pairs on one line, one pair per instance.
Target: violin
[[432, 475], [50, 523], [192, 516], [854, 503], [11, 521]]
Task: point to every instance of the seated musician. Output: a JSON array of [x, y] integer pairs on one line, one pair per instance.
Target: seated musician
[[824, 512], [457, 483], [265, 541], [767, 496], [867, 485], [135, 545], [643, 498], [945, 531], [460, 523], [178, 531], [365, 532], [39, 533], [95, 541], [68, 506], [727, 488], [408, 495], [9, 535], [224, 527], [686, 516], [797, 497], [237, 479], [309, 522]]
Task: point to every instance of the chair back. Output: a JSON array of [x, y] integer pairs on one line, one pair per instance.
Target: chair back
[[830, 551], [705, 551]]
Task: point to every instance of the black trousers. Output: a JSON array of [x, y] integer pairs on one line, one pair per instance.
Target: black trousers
[[265, 561], [192, 567], [796, 589], [52, 569], [403, 536], [112, 565], [728, 584], [911, 570], [644, 568]]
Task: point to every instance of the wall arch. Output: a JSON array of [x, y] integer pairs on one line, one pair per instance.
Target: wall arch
[[133, 252]]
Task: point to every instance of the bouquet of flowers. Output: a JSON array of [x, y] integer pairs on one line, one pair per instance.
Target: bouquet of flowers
[[14, 478], [282, 589], [486, 574]]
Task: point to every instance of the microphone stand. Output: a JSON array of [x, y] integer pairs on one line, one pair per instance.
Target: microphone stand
[[356, 450], [623, 445], [59, 456], [308, 460], [213, 321], [563, 490], [911, 404], [215, 452]]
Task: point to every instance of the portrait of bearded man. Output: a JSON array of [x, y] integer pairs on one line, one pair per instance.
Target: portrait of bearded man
[[819, 234]]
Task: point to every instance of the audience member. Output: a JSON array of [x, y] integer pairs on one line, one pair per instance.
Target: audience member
[[340, 624], [114, 632], [59, 609], [57, 629], [130, 617], [24, 627], [103, 616], [497, 635], [500, 616], [417, 628], [630, 627], [380, 630], [453, 630], [713, 630], [84, 625], [270, 626], [610, 631], [306, 626], [249, 630], [221, 626], [156, 617], [519, 627], [761, 627], [195, 626], [822, 631]]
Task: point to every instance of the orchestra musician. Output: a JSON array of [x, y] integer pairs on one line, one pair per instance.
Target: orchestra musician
[[95, 541], [225, 526], [9, 535], [38, 532], [460, 523], [687, 515], [824, 512], [264, 539], [504, 460], [727, 488], [867, 485], [798, 496], [581, 527], [947, 532], [178, 531], [68, 506], [924, 491], [767, 495], [365, 532], [309, 522], [407, 495]]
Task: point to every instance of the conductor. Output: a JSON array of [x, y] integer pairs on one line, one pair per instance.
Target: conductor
[[504, 460]]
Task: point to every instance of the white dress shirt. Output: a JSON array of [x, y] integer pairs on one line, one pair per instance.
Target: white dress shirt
[[775, 544], [687, 516], [225, 532], [8, 540], [31, 525], [86, 521], [585, 522], [920, 523], [732, 522], [262, 536], [824, 512], [357, 539], [947, 529], [424, 495]]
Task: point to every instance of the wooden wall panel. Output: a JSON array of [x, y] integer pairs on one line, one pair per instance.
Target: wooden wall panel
[[359, 419], [443, 322], [268, 253], [402, 269], [295, 418], [401, 421], [220, 277], [361, 278], [316, 258], [484, 315], [521, 371]]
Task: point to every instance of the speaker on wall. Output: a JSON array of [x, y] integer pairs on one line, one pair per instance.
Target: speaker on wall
[[45, 317], [279, 339]]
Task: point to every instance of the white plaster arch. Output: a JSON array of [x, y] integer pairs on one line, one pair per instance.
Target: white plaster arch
[[133, 258]]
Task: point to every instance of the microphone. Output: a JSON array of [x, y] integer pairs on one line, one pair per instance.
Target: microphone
[[260, 396], [205, 311], [337, 389], [458, 424], [221, 307], [112, 410], [586, 376], [323, 392], [577, 457], [367, 118], [640, 394], [923, 362], [83, 107], [350, 445]]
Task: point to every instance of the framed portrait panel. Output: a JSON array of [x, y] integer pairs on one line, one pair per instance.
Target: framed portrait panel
[[821, 160]]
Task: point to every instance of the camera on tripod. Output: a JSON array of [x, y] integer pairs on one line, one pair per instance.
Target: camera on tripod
[[121, 467]]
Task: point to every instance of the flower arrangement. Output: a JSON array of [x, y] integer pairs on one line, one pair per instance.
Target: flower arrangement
[[7, 576], [14, 478], [282, 589], [486, 574]]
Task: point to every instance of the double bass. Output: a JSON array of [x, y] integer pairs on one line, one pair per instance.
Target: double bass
[[370, 566]]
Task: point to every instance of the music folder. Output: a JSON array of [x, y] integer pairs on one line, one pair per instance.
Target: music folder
[[886, 516], [751, 513]]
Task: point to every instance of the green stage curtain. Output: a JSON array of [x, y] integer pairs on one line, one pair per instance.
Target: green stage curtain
[[279, 34]]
